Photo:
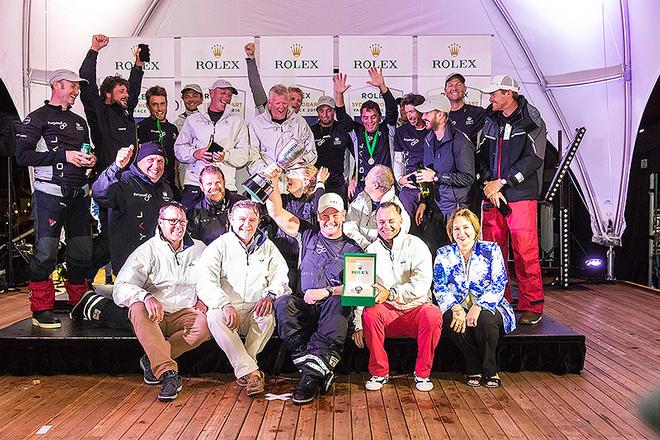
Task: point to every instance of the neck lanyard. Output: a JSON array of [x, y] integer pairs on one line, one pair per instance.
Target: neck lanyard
[[161, 133], [371, 147]]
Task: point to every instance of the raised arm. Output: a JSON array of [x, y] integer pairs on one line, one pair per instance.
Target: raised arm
[[286, 221], [254, 79]]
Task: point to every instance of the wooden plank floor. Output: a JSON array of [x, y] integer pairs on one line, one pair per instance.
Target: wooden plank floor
[[620, 322]]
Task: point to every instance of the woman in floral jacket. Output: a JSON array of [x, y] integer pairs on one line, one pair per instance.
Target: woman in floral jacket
[[469, 280]]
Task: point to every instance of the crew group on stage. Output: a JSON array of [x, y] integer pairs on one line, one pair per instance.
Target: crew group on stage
[[194, 259]]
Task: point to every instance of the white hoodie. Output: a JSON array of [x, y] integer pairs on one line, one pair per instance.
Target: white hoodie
[[230, 132], [155, 269], [230, 273]]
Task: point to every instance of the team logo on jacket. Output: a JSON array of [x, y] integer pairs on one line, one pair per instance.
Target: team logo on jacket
[[146, 196], [320, 249], [79, 127], [469, 120], [51, 222]]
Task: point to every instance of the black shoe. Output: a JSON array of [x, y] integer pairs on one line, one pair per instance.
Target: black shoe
[[149, 377], [172, 386], [78, 311], [306, 390], [530, 318], [327, 382], [45, 319]]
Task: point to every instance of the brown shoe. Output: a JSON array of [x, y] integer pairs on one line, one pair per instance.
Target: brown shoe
[[242, 381], [255, 383], [530, 318]]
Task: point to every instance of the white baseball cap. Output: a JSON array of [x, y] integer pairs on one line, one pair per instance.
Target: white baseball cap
[[330, 200], [223, 84], [502, 82], [326, 100], [435, 102], [67, 75]]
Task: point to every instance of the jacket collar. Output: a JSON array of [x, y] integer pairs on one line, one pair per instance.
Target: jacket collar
[[397, 243], [187, 241]]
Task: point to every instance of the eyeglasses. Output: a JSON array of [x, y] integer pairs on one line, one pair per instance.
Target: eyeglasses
[[175, 221]]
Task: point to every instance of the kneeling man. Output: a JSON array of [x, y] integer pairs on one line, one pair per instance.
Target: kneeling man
[[404, 272], [157, 284], [241, 275]]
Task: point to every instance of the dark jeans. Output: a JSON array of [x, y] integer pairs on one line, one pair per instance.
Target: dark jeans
[[478, 344]]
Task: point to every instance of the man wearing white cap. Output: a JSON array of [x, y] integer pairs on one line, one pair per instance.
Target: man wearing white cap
[[332, 145], [216, 136], [192, 97], [512, 149], [448, 162], [313, 323], [50, 140]]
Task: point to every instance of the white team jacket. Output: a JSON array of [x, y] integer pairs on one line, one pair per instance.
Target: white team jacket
[[407, 268], [230, 132], [361, 218], [265, 138], [154, 268], [231, 274]]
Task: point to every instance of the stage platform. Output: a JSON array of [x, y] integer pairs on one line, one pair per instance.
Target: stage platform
[[83, 348]]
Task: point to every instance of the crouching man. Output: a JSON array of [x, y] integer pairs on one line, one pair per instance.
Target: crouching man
[[241, 275], [157, 284], [404, 273]]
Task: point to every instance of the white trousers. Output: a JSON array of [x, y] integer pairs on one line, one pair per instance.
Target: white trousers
[[257, 331]]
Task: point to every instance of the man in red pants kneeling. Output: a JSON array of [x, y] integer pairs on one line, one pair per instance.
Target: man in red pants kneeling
[[404, 273]]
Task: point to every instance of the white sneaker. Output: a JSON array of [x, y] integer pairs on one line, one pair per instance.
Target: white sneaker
[[423, 383], [376, 382]]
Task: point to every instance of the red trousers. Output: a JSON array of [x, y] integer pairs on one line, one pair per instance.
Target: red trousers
[[423, 323], [520, 224]]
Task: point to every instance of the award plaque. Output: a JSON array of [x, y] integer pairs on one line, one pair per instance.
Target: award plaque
[[359, 276]]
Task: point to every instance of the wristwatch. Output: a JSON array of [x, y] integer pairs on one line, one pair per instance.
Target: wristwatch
[[271, 295], [503, 182], [330, 290], [393, 294]]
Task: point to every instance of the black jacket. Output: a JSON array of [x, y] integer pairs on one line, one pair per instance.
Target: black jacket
[[112, 126], [207, 220], [385, 143], [42, 141], [452, 159], [134, 202], [331, 146], [519, 158], [147, 130]]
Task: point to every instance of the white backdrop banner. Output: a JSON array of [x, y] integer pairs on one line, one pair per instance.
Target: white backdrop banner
[[360, 91], [119, 55], [241, 104], [441, 55], [218, 57], [296, 56], [313, 87], [435, 85], [141, 111], [391, 53]]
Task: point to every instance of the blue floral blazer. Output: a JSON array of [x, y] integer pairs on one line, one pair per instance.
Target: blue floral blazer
[[487, 281]]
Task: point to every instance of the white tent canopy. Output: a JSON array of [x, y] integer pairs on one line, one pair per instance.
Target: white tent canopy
[[589, 63]]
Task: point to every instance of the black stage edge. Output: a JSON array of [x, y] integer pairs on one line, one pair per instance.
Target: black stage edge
[[82, 348]]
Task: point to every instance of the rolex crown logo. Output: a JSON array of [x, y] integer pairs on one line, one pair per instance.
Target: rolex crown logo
[[296, 50], [454, 48], [134, 49], [375, 49], [217, 50]]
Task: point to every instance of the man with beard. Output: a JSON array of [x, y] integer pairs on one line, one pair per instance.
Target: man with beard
[[375, 141], [312, 322], [209, 218], [513, 145], [270, 131], [467, 118], [50, 140], [157, 129], [332, 143], [216, 136], [409, 154], [404, 273], [109, 113]]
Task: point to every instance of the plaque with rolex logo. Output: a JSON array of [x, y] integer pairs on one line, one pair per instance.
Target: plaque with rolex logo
[[359, 278]]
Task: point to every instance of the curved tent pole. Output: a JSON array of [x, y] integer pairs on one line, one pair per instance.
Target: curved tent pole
[[145, 17], [590, 199]]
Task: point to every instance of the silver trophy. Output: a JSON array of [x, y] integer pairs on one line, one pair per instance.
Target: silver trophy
[[259, 186]]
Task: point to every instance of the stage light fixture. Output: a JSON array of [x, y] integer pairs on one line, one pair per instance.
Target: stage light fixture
[[564, 165]]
